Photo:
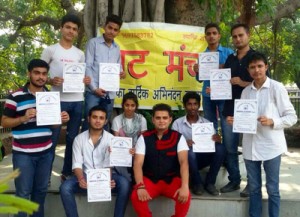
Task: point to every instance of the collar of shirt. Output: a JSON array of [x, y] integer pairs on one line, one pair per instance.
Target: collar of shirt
[[200, 120], [102, 41], [26, 89], [249, 51], [98, 141], [265, 85], [219, 48]]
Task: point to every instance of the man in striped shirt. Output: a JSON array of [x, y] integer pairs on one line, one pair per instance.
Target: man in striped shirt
[[31, 143]]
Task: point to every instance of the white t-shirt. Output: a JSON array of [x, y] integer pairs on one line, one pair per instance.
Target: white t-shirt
[[55, 55], [140, 147], [117, 123]]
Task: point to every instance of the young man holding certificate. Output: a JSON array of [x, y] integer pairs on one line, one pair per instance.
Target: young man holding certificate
[[103, 53], [240, 78], [213, 108], [32, 145], [161, 166], [91, 152], [60, 57], [213, 159], [275, 112]]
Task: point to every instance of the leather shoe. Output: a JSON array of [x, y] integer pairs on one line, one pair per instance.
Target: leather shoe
[[231, 186], [245, 192], [211, 189], [198, 189]]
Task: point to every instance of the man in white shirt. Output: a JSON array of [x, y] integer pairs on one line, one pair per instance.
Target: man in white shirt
[[197, 161], [91, 151], [161, 165], [275, 112], [56, 56]]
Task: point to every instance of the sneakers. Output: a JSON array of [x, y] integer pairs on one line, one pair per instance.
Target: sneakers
[[230, 187], [245, 192], [198, 189], [211, 189]]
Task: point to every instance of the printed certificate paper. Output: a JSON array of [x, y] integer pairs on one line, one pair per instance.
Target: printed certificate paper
[[98, 182], [48, 108], [73, 75], [109, 76], [207, 61], [245, 116], [220, 85], [202, 137], [119, 155]]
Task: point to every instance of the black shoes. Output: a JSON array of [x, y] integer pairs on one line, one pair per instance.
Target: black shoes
[[198, 189], [211, 189], [245, 192], [230, 187]]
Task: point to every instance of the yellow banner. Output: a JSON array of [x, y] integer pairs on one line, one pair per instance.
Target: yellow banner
[[158, 59]]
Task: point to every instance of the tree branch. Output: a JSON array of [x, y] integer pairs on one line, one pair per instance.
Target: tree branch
[[284, 10]]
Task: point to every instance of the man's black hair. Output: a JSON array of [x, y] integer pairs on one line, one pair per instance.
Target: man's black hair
[[34, 63], [212, 25], [114, 19], [71, 18], [257, 56], [97, 108], [191, 95], [162, 107], [238, 25]]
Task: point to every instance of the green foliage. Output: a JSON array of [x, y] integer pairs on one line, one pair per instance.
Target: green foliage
[[282, 48], [11, 204]]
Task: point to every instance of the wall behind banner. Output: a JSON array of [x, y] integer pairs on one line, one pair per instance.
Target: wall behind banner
[[158, 59]]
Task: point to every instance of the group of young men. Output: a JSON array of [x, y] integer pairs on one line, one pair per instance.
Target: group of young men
[[163, 159]]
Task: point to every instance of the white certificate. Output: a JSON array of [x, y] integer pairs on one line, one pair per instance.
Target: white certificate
[[48, 108], [98, 185], [119, 155], [207, 61], [202, 137], [220, 86], [73, 75], [245, 116], [109, 76]]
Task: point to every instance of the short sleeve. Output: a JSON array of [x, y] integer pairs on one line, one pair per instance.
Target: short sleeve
[[140, 147], [116, 124], [182, 145], [10, 107]]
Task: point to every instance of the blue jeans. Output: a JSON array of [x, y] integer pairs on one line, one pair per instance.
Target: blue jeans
[[211, 108], [32, 183], [92, 100], [198, 161], [231, 142], [70, 187], [74, 110], [271, 168]]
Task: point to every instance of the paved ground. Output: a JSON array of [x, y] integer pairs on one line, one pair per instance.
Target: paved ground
[[289, 175]]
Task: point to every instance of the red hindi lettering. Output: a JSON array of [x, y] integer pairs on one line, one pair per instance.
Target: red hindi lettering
[[130, 65]]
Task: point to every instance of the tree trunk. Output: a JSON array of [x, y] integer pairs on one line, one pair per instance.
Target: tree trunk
[[115, 7], [102, 12], [128, 11], [159, 13], [137, 11], [89, 18], [188, 12]]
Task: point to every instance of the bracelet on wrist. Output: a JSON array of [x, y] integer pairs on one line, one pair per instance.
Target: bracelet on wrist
[[137, 186], [142, 187]]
